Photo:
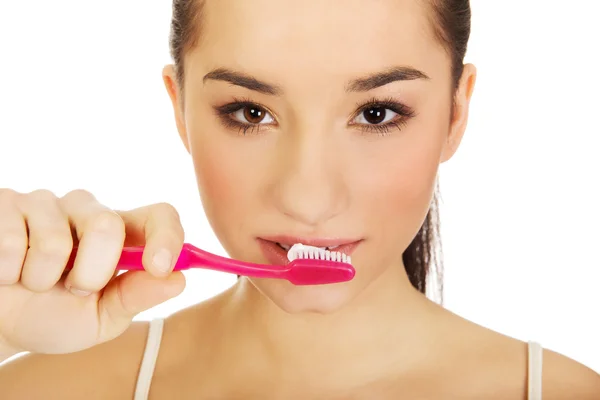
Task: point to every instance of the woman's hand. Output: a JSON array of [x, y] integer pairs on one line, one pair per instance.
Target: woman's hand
[[45, 309]]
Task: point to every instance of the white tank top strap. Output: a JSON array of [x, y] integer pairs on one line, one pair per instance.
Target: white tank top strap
[[534, 371], [142, 390], [144, 380]]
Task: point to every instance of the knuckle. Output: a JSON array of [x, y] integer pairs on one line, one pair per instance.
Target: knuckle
[[12, 242], [173, 230], [79, 195], [167, 209], [107, 221], [7, 195], [42, 195], [58, 245], [173, 236], [179, 233]]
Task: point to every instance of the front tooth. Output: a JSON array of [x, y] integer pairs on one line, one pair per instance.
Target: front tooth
[[333, 247], [285, 246], [309, 252]]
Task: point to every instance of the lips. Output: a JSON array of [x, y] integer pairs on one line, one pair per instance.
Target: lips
[[274, 248]]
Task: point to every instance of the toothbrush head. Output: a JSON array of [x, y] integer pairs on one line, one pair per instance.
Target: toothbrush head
[[304, 271], [311, 265]]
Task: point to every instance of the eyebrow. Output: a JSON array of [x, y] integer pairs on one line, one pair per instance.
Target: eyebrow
[[241, 79], [362, 84], [379, 79]]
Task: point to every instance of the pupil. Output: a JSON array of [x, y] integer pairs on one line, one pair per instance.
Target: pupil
[[253, 115], [375, 115]]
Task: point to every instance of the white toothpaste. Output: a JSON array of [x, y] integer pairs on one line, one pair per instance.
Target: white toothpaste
[[300, 250]]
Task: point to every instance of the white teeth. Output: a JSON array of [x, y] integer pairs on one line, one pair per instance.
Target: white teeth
[[316, 253], [284, 246], [287, 247]]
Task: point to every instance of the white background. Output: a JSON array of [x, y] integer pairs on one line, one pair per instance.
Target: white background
[[82, 105]]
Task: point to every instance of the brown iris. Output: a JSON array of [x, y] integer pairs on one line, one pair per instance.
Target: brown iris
[[253, 114], [375, 115]]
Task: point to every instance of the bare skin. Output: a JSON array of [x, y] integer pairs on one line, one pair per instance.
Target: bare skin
[[203, 358], [312, 166]]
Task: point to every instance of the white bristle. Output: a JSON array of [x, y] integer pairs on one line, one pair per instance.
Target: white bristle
[[315, 253]]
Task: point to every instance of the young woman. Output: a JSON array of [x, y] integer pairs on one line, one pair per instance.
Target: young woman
[[315, 122]]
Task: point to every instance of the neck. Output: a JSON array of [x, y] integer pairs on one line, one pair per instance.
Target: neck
[[380, 327]]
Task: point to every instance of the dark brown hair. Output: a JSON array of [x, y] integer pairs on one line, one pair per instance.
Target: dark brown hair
[[451, 22]]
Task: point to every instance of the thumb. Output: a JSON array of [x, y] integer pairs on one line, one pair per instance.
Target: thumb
[[131, 293]]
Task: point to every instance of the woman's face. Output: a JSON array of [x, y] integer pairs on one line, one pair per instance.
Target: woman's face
[[318, 120]]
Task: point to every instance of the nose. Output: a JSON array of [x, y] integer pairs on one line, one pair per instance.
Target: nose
[[310, 187]]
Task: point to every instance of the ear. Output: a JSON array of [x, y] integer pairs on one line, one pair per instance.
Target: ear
[[175, 93], [460, 115]]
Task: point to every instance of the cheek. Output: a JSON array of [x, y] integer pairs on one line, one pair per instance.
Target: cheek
[[397, 185], [226, 181]]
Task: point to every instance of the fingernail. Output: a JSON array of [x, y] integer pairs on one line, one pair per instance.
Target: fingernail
[[76, 292], [79, 293], [162, 260]]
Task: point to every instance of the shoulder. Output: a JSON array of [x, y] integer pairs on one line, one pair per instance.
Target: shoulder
[[565, 378], [108, 370], [191, 352], [493, 365]]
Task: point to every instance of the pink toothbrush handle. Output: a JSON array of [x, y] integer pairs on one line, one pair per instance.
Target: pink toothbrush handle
[[299, 272], [191, 256], [131, 260]]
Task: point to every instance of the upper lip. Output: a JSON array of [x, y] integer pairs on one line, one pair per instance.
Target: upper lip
[[316, 242]]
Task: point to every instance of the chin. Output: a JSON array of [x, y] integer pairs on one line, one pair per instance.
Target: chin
[[292, 299]]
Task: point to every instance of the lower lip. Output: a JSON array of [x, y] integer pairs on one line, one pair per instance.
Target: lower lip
[[276, 255]]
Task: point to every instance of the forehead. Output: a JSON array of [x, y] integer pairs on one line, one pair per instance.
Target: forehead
[[340, 37]]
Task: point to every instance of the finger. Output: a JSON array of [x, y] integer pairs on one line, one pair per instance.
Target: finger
[[160, 227], [101, 234], [50, 241], [13, 238], [131, 293]]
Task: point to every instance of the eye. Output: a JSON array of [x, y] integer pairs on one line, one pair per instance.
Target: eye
[[252, 114], [375, 115], [245, 116], [381, 115]]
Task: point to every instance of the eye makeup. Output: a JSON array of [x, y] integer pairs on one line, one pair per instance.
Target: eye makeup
[[374, 116]]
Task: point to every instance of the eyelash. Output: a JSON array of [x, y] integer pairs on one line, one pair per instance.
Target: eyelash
[[404, 114], [226, 111]]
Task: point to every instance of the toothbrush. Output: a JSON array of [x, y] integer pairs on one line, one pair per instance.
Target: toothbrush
[[308, 265]]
